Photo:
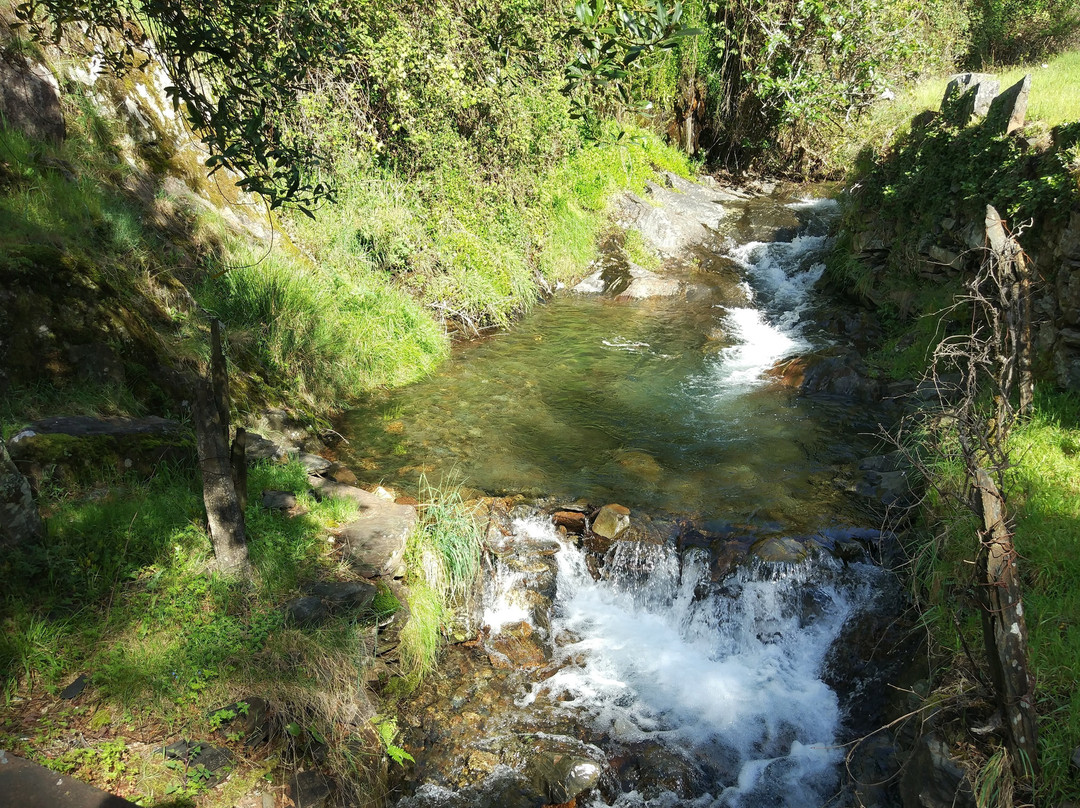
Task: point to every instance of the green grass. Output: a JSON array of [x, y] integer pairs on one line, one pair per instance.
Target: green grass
[[1043, 496], [1053, 101], [120, 588]]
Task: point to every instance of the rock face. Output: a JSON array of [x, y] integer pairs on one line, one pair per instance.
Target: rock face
[[77, 447], [30, 99], [19, 519], [684, 213], [970, 94], [1008, 111]]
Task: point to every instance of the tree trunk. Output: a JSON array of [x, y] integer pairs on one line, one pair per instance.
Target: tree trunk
[[1004, 629], [222, 481]]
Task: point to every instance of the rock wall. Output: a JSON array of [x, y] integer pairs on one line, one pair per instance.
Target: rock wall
[[952, 247]]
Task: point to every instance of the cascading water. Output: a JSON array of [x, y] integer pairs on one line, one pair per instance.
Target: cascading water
[[723, 678]]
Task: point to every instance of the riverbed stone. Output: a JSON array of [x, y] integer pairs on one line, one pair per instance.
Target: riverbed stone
[[932, 779], [645, 284], [573, 521], [779, 549], [516, 646], [611, 521], [561, 778]]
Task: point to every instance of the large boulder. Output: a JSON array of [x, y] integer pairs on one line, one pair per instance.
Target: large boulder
[[79, 449], [19, 519]]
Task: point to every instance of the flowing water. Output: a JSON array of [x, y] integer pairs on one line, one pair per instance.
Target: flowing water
[[686, 682]]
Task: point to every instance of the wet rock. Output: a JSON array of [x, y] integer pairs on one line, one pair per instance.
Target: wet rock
[[482, 763], [644, 284], [339, 474], [30, 99], [278, 500], [305, 611], [844, 376], [19, 518], [573, 521], [932, 779], [561, 778], [1009, 110], [516, 646], [75, 448], [610, 521], [874, 769], [887, 480], [641, 464], [311, 789], [779, 549]]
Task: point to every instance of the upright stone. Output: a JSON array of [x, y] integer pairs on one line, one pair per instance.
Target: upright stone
[[969, 94], [19, 519], [1009, 110]]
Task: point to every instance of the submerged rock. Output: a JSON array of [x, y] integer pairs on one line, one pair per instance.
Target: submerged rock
[[783, 549], [561, 778], [516, 646]]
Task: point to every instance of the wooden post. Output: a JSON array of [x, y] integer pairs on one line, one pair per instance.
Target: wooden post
[[1004, 629], [222, 482], [1014, 304]]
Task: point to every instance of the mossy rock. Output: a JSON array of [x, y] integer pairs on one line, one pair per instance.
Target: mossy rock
[[78, 450]]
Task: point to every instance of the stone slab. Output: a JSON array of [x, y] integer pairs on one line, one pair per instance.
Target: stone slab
[[27, 785]]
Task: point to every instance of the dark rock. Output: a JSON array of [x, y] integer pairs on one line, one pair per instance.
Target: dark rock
[[259, 448], [96, 363], [28, 785], [932, 779], [339, 474], [77, 447], [75, 688], [311, 789], [200, 754], [19, 518], [278, 500], [844, 376], [1009, 110], [610, 521], [305, 611], [350, 594], [30, 99], [251, 719], [1075, 759]]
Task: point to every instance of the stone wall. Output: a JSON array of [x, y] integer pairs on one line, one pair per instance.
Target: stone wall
[[953, 246]]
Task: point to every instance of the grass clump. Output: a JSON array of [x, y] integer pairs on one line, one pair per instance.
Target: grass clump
[[444, 558], [1043, 499]]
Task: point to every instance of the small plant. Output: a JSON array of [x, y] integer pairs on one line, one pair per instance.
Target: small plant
[[387, 728]]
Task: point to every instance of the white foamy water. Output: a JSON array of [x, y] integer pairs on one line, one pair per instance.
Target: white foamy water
[[727, 676], [781, 276]]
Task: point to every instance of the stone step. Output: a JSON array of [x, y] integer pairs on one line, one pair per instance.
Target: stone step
[[28, 785]]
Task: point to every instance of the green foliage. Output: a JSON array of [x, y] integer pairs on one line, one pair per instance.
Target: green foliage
[[1015, 31], [615, 41], [783, 76]]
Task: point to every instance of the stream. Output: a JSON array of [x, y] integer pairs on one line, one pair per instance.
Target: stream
[[682, 665]]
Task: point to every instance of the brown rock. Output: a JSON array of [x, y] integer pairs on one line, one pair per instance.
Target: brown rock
[[611, 520], [516, 646], [573, 521]]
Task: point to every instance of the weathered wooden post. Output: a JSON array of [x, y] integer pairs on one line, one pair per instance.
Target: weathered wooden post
[[1004, 629], [1014, 306], [223, 481]]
